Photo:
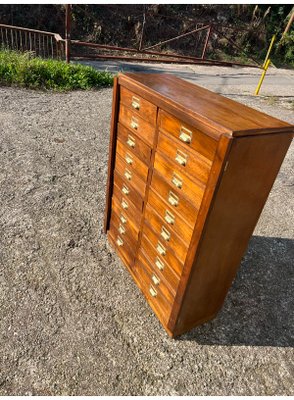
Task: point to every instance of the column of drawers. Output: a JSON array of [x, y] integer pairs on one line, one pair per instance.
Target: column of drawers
[[182, 164], [135, 136]]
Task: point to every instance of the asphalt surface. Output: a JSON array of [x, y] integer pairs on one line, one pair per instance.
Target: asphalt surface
[[72, 322]]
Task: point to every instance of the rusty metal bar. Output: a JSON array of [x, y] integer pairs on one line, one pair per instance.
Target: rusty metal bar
[[177, 37], [67, 31], [206, 42], [19, 28]]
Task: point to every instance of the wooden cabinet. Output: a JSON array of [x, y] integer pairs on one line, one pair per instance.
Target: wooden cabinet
[[189, 173]]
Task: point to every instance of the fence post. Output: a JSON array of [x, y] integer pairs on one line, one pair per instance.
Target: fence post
[[67, 31]]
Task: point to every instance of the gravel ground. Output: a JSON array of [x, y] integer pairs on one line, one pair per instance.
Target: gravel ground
[[72, 322]]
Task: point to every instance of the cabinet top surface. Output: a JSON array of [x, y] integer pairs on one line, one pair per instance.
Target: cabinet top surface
[[225, 114]]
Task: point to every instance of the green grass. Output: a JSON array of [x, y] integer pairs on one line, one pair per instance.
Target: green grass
[[21, 69]]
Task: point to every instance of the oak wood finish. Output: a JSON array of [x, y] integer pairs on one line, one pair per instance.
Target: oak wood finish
[[189, 173]]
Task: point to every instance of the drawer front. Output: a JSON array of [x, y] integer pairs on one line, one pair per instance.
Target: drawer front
[[126, 206], [178, 180], [130, 223], [171, 219], [134, 144], [154, 295], [162, 250], [156, 280], [122, 247], [165, 234], [125, 230], [136, 124], [191, 163], [139, 106], [179, 204], [191, 137], [123, 169], [158, 264], [132, 161], [127, 190]]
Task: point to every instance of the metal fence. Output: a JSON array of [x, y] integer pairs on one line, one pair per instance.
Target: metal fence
[[40, 43]]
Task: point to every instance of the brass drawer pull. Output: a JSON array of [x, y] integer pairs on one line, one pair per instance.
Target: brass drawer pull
[[134, 123], [185, 135], [125, 190], [173, 199], [131, 141], [128, 174], [152, 291], [177, 181], [123, 219], [165, 234], [161, 249], [121, 229], [169, 217], [129, 159], [124, 204], [135, 103], [119, 241], [181, 158], [159, 264], [155, 280]]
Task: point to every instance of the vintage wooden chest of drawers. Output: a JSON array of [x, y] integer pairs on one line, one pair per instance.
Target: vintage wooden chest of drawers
[[189, 173]]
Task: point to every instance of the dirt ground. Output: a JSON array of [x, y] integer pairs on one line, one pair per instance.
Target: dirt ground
[[72, 322]]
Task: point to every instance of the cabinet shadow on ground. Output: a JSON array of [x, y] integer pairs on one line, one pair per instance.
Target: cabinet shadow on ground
[[259, 308]]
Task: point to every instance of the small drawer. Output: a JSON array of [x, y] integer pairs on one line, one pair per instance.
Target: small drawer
[[127, 173], [130, 223], [192, 163], [136, 124], [190, 136], [122, 247], [126, 231], [134, 144], [132, 161], [157, 280], [178, 180], [172, 220], [159, 265], [127, 190], [166, 234], [126, 206], [162, 250], [154, 296], [179, 204], [140, 106]]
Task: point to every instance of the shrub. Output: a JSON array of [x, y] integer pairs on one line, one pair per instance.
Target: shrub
[[24, 70]]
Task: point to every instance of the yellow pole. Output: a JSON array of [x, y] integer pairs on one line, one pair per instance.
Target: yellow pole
[[262, 76], [269, 51]]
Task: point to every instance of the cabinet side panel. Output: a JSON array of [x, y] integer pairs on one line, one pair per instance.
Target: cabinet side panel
[[253, 164]]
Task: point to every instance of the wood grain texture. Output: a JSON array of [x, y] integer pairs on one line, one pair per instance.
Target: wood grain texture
[[134, 144], [236, 207]]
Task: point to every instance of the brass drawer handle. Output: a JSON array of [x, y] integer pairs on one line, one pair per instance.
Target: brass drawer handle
[[177, 181], [185, 135], [131, 141], [124, 204], [119, 241], [173, 199], [169, 217], [159, 264], [128, 174], [121, 229], [181, 158], [155, 280], [125, 190], [165, 234], [135, 103], [129, 159], [123, 219], [152, 291], [161, 249], [134, 123]]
